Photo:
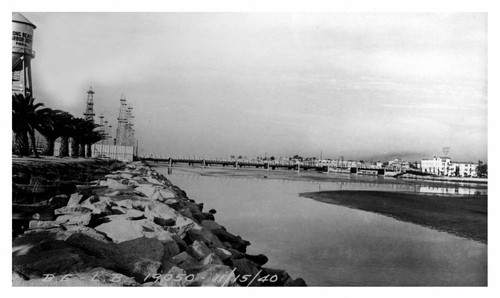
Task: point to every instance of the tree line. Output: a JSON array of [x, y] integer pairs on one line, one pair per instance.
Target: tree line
[[29, 116]]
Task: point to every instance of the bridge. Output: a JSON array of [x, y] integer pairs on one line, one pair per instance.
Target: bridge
[[267, 165], [264, 164]]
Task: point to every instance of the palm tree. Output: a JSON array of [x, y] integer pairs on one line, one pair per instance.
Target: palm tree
[[93, 137], [84, 135], [28, 116], [66, 128], [60, 121], [76, 135]]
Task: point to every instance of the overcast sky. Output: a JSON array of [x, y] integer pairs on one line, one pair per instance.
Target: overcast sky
[[220, 84]]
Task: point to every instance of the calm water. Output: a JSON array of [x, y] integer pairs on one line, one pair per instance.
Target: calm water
[[333, 245]]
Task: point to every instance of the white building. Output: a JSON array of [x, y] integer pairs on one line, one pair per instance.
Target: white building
[[443, 166], [465, 169], [437, 166]]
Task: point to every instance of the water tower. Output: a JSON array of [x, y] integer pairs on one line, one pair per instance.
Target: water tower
[[22, 53]]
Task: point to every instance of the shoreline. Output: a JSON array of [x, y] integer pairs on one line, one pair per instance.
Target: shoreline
[[464, 216], [131, 222]]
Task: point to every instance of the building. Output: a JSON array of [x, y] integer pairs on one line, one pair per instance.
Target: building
[[398, 165], [465, 169], [443, 166], [437, 166]]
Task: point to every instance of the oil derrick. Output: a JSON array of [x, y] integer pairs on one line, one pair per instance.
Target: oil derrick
[[89, 110], [129, 131], [101, 127], [122, 121]]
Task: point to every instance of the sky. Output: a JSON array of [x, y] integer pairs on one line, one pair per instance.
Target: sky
[[358, 85]]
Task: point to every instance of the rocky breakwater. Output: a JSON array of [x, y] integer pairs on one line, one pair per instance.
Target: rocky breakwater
[[136, 229]]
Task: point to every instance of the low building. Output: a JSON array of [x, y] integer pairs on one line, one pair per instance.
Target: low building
[[443, 166], [398, 165], [465, 169]]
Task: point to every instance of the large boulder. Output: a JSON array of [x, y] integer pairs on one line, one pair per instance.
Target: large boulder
[[146, 190], [171, 248], [120, 230], [75, 218], [236, 242], [167, 194], [186, 262], [198, 250], [249, 268], [66, 216], [156, 209], [37, 258], [182, 225], [203, 234], [140, 257]]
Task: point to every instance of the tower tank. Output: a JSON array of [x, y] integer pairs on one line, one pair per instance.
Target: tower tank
[[22, 53]]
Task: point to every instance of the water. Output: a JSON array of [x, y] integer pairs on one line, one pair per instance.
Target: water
[[330, 245]]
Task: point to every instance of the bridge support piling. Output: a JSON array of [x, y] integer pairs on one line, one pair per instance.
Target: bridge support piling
[[203, 164]]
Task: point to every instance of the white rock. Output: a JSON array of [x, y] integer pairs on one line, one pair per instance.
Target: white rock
[[198, 250], [120, 230], [74, 199], [167, 194], [157, 209], [74, 219], [146, 189]]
